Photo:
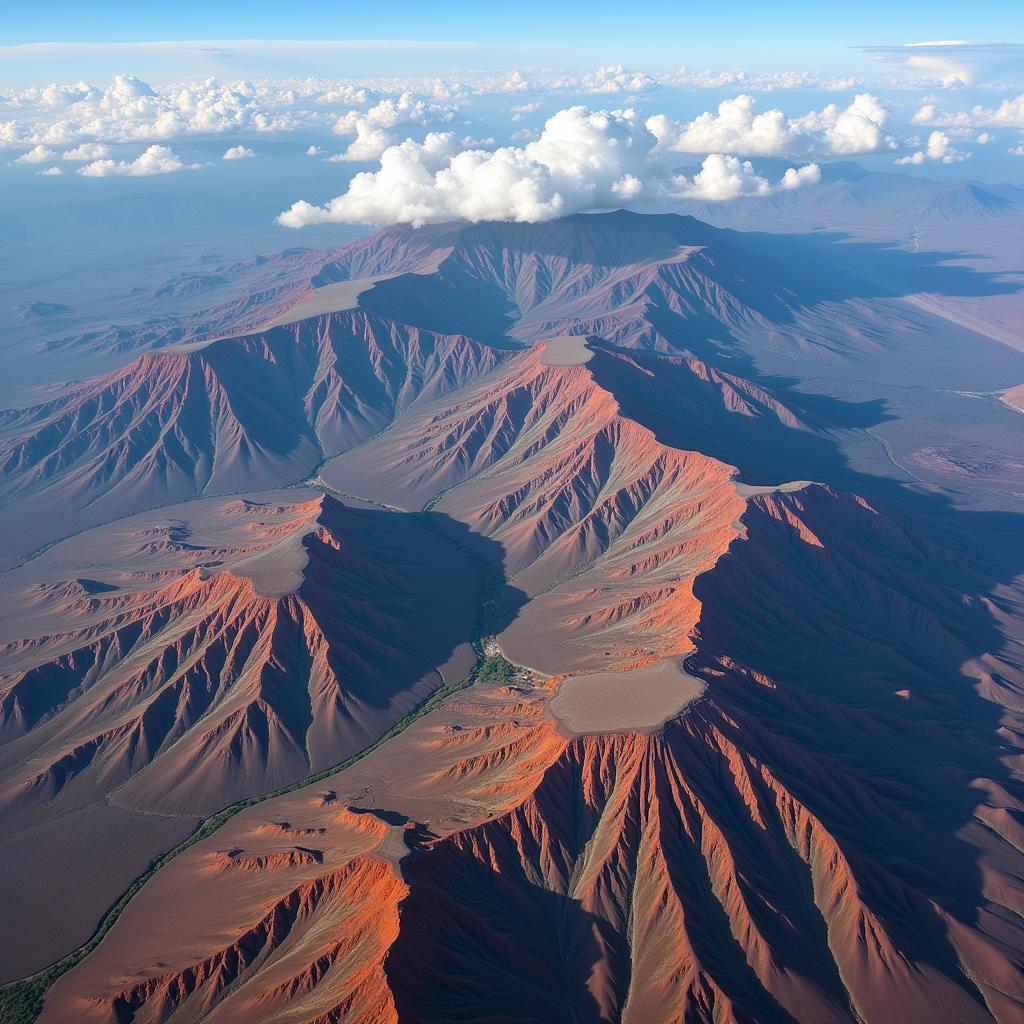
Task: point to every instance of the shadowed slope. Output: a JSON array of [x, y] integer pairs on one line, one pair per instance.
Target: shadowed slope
[[598, 521]]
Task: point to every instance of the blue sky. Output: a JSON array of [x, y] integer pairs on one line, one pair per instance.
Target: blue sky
[[730, 25], [657, 35]]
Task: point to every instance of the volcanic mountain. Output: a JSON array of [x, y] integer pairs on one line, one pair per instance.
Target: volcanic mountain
[[756, 752], [669, 283]]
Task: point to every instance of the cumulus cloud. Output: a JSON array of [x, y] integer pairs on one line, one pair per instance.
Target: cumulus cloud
[[238, 153], [520, 110], [155, 160], [849, 131], [610, 79], [737, 128], [341, 92], [734, 129], [939, 148], [313, 151], [130, 109], [582, 160], [615, 78], [1008, 114], [371, 128], [36, 155], [50, 172], [388, 113], [86, 151], [925, 115], [797, 177], [368, 144], [1017, 150], [725, 177]]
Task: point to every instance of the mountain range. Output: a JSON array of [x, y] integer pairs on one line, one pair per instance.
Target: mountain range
[[741, 736]]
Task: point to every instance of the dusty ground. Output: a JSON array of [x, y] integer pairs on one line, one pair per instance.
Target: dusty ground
[[645, 698]]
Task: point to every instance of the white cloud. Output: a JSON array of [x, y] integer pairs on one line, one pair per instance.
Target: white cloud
[[371, 128], [983, 138], [238, 153], [770, 81], [514, 82], [50, 172], [1009, 114], [685, 78], [1017, 150], [858, 128], [582, 160], [368, 144], [953, 63], [36, 155], [520, 110], [737, 128], [155, 160], [797, 177], [313, 151], [86, 151], [341, 92], [734, 129], [132, 110], [939, 149], [388, 113], [726, 177], [925, 115], [615, 78]]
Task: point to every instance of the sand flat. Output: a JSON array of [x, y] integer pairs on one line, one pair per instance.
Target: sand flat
[[600, 702], [753, 490], [568, 351], [79, 879], [330, 298], [1014, 398]]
